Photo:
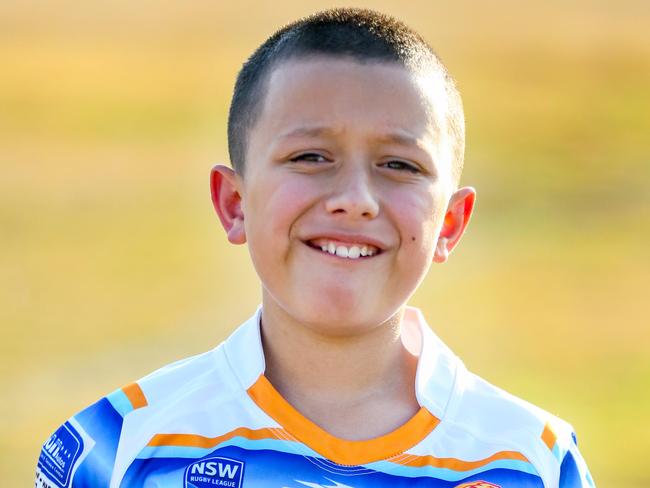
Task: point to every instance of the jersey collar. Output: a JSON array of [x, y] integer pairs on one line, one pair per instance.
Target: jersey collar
[[434, 383], [436, 372], [438, 366]]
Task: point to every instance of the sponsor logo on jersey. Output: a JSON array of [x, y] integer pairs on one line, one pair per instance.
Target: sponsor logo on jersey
[[478, 484], [42, 481], [213, 472], [59, 454]]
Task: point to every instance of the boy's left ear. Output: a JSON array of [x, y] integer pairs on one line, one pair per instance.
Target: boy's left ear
[[226, 198], [459, 210]]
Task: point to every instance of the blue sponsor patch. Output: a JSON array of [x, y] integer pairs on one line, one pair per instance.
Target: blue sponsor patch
[[60, 453], [212, 472]]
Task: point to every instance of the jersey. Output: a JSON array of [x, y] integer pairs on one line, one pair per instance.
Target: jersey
[[214, 420]]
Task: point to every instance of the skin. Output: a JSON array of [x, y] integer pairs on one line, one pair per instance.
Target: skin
[[354, 154]]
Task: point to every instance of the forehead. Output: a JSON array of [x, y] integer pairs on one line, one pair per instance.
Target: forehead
[[345, 95]]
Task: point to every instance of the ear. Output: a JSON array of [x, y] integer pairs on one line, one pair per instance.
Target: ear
[[226, 199], [459, 210]]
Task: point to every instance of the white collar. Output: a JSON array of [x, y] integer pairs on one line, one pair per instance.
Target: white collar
[[435, 377]]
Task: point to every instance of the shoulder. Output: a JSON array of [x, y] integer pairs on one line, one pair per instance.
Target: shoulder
[[85, 450], [185, 379], [492, 415]]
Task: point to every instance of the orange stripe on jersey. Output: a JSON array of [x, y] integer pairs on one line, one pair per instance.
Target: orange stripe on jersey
[[193, 440], [549, 437], [339, 450], [458, 464], [135, 395]]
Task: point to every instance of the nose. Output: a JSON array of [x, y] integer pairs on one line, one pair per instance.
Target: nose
[[353, 196]]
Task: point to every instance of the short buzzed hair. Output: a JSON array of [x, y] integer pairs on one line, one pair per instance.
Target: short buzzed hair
[[359, 34]]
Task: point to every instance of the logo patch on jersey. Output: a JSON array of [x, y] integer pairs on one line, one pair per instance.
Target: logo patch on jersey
[[60, 453], [213, 472], [478, 484]]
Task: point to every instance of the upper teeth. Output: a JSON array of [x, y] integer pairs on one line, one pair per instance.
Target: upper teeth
[[352, 252]]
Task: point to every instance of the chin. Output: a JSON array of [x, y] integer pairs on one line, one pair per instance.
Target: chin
[[337, 315]]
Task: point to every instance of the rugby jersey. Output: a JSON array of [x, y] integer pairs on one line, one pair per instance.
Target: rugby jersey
[[214, 420]]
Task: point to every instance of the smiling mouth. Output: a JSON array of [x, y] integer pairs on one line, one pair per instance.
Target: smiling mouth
[[349, 251]]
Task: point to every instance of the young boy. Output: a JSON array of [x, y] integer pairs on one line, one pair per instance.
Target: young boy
[[346, 136]]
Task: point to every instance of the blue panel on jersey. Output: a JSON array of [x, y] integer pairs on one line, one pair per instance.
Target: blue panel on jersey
[[557, 454], [120, 402], [156, 472], [451, 474], [103, 423], [263, 468], [59, 454], [570, 476]]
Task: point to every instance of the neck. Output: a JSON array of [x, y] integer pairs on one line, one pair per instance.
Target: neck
[[330, 377]]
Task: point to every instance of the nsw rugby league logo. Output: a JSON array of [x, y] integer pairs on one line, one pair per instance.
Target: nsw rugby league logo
[[477, 484], [213, 472]]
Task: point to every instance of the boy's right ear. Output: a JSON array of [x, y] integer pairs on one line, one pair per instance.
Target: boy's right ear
[[225, 187]]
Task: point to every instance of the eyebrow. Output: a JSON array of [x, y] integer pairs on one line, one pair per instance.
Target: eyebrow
[[308, 131], [399, 137]]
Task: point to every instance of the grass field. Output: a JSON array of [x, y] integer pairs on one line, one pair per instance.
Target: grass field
[[113, 264]]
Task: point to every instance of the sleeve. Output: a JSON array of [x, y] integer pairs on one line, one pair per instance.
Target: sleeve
[[82, 452], [573, 470]]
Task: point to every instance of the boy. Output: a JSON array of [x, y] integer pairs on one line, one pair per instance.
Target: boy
[[346, 137]]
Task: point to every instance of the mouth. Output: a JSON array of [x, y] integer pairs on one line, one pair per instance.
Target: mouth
[[346, 250]]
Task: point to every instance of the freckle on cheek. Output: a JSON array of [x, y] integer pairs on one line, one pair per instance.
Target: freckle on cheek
[[413, 238]]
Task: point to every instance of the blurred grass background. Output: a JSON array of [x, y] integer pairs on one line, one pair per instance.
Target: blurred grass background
[[113, 264]]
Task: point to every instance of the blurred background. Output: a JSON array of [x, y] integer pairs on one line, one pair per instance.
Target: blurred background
[[113, 264]]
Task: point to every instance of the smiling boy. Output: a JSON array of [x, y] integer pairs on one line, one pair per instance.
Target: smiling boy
[[346, 137]]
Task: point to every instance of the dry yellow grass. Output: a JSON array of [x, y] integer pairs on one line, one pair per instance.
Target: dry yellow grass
[[112, 264]]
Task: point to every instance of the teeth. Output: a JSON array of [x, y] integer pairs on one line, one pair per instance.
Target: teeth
[[352, 252]]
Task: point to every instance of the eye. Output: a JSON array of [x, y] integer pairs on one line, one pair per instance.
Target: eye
[[401, 166], [309, 158]]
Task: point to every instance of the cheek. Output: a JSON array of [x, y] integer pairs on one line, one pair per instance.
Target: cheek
[[418, 215], [272, 210]]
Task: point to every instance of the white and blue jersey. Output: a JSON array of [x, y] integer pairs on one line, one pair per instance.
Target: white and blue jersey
[[214, 420]]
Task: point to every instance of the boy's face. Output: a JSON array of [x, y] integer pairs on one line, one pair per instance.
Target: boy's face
[[353, 158]]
